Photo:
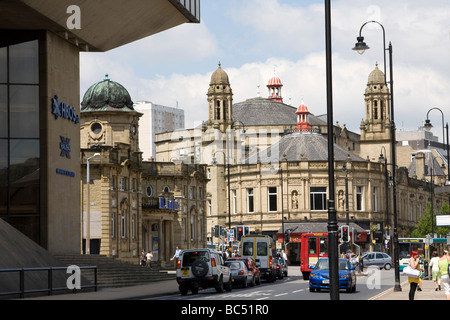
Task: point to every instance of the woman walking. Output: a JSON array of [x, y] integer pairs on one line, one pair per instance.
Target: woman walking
[[435, 275], [443, 269], [414, 282]]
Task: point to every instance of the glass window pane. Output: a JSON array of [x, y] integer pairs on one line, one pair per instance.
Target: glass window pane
[[3, 111], [3, 65], [24, 162], [24, 62], [24, 111], [3, 162]]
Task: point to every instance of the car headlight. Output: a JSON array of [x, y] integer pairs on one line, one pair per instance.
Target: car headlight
[[344, 276], [313, 275]]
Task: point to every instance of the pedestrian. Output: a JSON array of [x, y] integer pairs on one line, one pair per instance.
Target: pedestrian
[[421, 264], [176, 255], [443, 270], [413, 282], [149, 257], [435, 274], [143, 258]]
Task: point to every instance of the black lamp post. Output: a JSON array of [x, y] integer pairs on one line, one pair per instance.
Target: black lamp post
[[332, 216], [361, 46], [386, 177]]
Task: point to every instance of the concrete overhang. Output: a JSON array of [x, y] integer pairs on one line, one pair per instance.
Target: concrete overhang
[[104, 24]]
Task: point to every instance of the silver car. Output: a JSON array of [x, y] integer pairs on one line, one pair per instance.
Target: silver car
[[240, 273], [377, 259]]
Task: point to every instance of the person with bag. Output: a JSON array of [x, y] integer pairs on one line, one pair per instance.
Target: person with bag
[[414, 282], [143, 258], [443, 270]]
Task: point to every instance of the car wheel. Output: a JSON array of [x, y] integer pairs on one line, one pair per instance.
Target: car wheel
[[387, 266], [219, 286], [199, 268], [229, 286], [311, 289], [252, 284], [183, 291]]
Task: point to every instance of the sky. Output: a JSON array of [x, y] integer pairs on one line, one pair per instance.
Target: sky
[[257, 39]]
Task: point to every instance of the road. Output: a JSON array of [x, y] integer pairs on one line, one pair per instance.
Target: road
[[294, 287]]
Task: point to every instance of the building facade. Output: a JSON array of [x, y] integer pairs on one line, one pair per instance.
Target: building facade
[[267, 164], [39, 103]]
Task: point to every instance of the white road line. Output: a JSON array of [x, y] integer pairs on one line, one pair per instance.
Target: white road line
[[281, 294], [298, 291]]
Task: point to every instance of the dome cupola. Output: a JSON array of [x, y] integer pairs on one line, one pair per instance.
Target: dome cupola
[[106, 95]]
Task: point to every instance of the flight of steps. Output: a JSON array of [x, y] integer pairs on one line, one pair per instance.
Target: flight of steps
[[116, 273]]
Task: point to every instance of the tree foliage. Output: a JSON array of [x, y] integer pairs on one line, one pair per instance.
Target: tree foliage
[[423, 226]]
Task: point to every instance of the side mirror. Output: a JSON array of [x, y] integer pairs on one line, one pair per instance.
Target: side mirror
[[352, 268]]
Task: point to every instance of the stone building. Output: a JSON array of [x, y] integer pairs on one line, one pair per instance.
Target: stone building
[[267, 164], [133, 204], [173, 208], [109, 128]]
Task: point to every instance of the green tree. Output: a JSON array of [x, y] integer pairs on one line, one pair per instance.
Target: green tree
[[423, 226]]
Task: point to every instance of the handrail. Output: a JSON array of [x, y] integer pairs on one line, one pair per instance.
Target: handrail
[[49, 288]]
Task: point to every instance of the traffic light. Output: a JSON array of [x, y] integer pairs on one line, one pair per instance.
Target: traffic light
[[239, 232], [287, 236], [345, 234]]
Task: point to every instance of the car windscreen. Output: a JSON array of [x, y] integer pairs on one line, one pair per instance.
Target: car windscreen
[[323, 265], [191, 256]]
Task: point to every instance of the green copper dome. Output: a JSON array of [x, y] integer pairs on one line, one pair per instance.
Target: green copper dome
[[106, 95]]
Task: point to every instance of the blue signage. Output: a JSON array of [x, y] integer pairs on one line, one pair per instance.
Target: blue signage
[[65, 173], [168, 204], [64, 145], [60, 109]]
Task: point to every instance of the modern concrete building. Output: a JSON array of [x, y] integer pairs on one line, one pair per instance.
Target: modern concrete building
[[155, 119], [39, 102]]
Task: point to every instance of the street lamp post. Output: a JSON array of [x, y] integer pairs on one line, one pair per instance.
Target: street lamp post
[[361, 46], [386, 177], [428, 127], [332, 216], [88, 205]]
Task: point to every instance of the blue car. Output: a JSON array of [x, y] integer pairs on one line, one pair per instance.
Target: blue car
[[320, 276]]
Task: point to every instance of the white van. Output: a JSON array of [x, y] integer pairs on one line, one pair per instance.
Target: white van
[[262, 249]]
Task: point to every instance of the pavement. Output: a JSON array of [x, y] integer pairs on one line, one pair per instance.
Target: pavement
[[170, 287], [428, 292]]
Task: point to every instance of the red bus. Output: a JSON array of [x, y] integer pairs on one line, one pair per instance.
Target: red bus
[[313, 246]]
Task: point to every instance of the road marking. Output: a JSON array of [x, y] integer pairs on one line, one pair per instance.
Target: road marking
[[298, 291], [281, 294]]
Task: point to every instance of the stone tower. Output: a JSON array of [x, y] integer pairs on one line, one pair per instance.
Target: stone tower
[[220, 99], [376, 128]]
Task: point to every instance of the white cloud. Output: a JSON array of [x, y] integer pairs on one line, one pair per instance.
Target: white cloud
[[176, 65]]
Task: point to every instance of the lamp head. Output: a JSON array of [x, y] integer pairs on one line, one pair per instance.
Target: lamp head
[[428, 125], [360, 46]]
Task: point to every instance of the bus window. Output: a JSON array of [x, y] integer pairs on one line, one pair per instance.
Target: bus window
[[312, 245], [247, 249], [261, 249], [323, 245]]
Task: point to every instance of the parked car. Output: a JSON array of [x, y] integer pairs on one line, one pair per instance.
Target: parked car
[[202, 268], [319, 277], [281, 268], [251, 264], [378, 259], [240, 274]]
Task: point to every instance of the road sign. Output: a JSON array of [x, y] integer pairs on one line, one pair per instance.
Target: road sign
[[442, 220]]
